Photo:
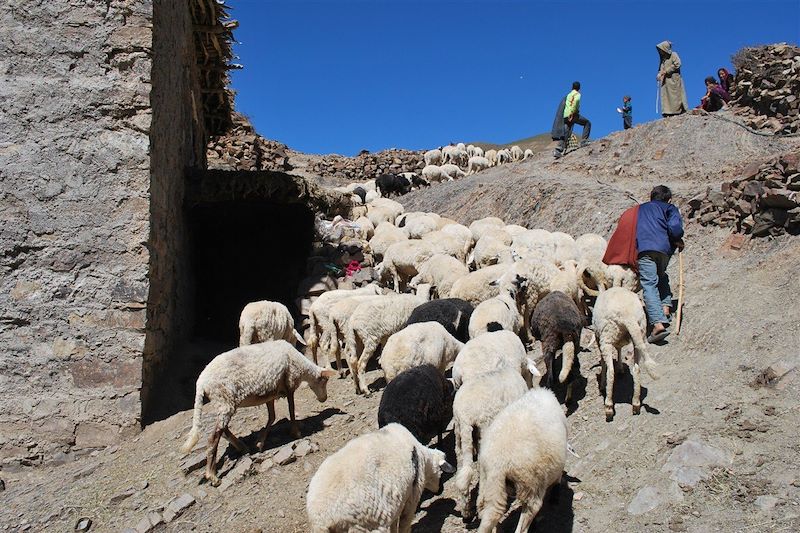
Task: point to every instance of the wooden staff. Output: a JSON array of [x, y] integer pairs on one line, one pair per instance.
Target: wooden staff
[[680, 293]]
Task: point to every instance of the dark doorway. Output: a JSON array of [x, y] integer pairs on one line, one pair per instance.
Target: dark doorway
[[242, 252]]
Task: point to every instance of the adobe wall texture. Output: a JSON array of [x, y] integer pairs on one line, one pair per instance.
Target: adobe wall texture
[[77, 245]]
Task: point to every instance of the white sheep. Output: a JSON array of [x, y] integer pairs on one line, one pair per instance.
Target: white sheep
[[419, 344], [476, 164], [320, 327], [453, 171], [538, 242], [538, 420], [461, 146], [371, 196], [447, 244], [516, 153], [527, 154], [441, 272], [454, 154], [419, 225], [477, 402], [385, 235], [248, 376], [503, 156], [339, 314], [491, 156], [492, 248], [267, 321], [566, 281], [618, 319], [590, 246], [366, 228], [478, 151], [402, 259], [374, 483], [470, 150], [482, 225], [539, 275], [565, 247], [433, 157], [370, 325], [462, 233], [500, 312], [477, 286], [492, 351], [514, 230], [434, 173]]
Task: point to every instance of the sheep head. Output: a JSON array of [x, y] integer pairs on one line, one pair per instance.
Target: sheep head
[[320, 384]]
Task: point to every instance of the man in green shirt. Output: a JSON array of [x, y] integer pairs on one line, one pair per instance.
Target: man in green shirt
[[572, 116]]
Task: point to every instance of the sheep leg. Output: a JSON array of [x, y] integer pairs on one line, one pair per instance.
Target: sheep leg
[[339, 359], [294, 429], [607, 352], [262, 441], [223, 420], [240, 446], [407, 515], [361, 365], [528, 514], [636, 402], [549, 356]]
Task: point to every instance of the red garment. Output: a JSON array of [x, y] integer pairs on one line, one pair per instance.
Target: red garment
[[621, 249]]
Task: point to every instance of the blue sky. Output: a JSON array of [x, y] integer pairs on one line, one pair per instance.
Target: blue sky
[[341, 76]]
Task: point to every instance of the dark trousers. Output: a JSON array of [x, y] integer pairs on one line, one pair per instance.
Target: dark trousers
[[581, 121], [627, 122]]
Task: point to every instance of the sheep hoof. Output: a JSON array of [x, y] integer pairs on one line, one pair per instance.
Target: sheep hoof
[[609, 414], [637, 409], [213, 481]]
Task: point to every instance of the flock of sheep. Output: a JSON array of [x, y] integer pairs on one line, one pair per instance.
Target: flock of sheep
[[448, 163], [447, 296]]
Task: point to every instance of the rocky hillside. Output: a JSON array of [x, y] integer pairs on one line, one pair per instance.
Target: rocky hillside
[[715, 448]]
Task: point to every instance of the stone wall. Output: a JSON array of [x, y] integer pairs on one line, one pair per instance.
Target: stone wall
[[177, 143], [74, 180], [367, 166]]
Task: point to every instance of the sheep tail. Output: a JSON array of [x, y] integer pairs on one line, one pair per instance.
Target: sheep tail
[[299, 337], [640, 355], [194, 434], [567, 360], [313, 338], [492, 499]]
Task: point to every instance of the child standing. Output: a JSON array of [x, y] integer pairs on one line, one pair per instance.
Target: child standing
[[627, 112]]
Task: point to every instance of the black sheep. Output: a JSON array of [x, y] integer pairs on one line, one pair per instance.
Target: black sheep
[[361, 193], [557, 322], [452, 313], [389, 184], [420, 399]]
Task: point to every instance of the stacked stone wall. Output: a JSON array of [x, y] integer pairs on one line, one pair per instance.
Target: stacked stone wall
[[74, 209]]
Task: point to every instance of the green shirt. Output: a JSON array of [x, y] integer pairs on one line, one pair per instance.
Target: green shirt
[[573, 104]]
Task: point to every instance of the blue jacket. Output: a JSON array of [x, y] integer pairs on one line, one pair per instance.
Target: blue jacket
[[658, 226]]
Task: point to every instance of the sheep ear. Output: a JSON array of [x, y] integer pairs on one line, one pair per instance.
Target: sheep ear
[[494, 283], [532, 367], [446, 467], [328, 373]]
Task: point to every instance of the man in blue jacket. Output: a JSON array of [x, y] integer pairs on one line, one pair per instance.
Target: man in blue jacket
[[659, 232]]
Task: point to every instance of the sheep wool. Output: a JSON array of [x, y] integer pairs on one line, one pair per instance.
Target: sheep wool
[[489, 352], [618, 319], [537, 420], [476, 404], [249, 376], [371, 325], [424, 343], [421, 400], [265, 321], [374, 483]]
